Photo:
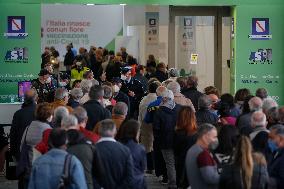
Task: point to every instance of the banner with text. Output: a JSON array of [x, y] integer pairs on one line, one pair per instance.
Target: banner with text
[[82, 25]]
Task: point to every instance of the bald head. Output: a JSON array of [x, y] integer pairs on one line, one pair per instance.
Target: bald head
[[258, 119], [255, 104]]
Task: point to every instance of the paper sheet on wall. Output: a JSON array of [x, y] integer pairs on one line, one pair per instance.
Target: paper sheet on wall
[[193, 58]]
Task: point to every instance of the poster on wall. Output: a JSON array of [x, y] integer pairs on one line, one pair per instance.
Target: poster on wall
[[20, 48], [152, 28], [187, 33], [81, 25]]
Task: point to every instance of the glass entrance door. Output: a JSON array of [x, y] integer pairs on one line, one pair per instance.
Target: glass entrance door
[[197, 45], [194, 52]]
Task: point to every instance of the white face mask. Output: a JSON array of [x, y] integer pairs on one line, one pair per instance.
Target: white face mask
[[62, 84], [48, 80], [123, 77], [116, 88], [49, 119]]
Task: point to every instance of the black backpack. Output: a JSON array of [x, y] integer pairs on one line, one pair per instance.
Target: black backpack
[[65, 180]]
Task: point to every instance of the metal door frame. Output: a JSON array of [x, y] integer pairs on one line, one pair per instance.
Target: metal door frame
[[218, 12]]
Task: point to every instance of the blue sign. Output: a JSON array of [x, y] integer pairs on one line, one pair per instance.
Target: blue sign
[[260, 29], [16, 27]]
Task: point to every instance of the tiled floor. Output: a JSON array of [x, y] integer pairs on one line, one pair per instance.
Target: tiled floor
[[152, 183]]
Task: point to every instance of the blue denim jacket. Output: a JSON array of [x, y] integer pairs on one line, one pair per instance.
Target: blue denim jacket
[[48, 169]]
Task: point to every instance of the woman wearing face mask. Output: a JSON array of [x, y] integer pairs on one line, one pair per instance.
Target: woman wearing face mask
[[33, 135], [248, 170]]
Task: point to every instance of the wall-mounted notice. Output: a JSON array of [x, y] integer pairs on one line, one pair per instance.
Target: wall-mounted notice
[[260, 29], [152, 28], [187, 33], [193, 58], [16, 28]]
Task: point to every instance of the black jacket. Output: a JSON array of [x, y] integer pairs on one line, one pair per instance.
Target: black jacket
[[276, 168], [96, 112], [164, 126], [206, 116], [182, 142], [117, 163], [122, 97], [231, 177], [69, 58], [161, 76], [83, 149], [21, 119], [193, 94], [137, 87]]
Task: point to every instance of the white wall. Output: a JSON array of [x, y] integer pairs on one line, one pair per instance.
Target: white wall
[[134, 24]]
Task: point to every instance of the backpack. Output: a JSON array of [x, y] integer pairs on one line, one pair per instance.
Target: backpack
[[65, 180]]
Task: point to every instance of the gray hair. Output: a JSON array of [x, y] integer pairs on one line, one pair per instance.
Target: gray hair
[[258, 118], [86, 85], [59, 113], [105, 127], [255, 103], [279, 129], [60, 93], [173, 72], [269, 103], [160, 90], [95, 82], [107, 92], [96, 92], [68, 122], [204, 102], [204, 129], [80, 113], [120, 108], [174, 86], [168, 94], [76, 93]]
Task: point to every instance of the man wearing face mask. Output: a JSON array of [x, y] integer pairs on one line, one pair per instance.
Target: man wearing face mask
[[118, 95], [77, 73], [276, 166], [201, 169], [133, 88], [44, 87]]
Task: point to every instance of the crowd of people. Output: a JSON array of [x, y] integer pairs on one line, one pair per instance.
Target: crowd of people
[[109, 121]]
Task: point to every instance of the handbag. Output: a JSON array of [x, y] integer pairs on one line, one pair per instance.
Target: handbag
[[10, 166], [64, 181], [24, 164]]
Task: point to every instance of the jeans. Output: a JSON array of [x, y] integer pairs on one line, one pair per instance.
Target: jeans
[[169, 158]]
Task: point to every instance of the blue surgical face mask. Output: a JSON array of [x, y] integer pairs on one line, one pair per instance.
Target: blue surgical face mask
[[272, 145]]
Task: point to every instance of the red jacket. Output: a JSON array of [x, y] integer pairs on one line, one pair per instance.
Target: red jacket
[[43, 147]]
